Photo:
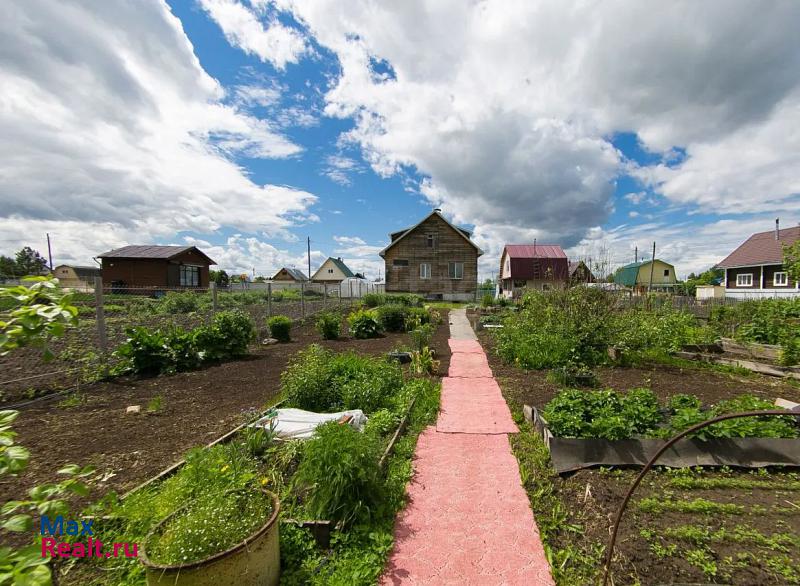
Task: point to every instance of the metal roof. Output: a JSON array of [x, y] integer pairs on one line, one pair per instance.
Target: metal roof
[[296, 274], [151, 251], [535, 251], [342, 267], [761, 249], [627, 274]]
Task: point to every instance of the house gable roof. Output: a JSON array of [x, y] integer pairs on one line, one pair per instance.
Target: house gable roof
[[153, 251], [296, 274], [761, 248], [398, 236], [534, 251], [339, 264]]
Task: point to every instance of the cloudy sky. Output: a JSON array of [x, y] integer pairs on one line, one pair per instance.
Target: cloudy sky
[[245, 126]]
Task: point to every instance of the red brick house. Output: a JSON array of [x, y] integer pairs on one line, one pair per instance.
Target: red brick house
[[150, 268], [755, 269], [532, 266]]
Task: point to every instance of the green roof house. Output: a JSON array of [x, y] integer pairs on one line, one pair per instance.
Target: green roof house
[[636, 275]]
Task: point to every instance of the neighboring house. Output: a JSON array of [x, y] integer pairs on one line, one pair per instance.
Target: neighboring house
[[333, 270], [287, 274], [532, 266], [434, 258], [637, 276], [76, 276], [150, 268], [580, 273], [755, 269]]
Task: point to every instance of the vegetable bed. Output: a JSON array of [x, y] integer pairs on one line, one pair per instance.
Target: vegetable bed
[[583, 429]]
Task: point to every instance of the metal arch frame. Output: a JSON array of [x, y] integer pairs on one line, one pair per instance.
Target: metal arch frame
[[647, 467]]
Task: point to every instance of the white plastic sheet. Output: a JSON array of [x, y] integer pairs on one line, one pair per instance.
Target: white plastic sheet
[[299, 424]]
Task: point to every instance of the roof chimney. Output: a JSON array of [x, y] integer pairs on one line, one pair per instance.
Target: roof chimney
[[777, 228]]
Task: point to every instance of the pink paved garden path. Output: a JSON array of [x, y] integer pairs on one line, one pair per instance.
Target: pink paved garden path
[[468, 520]]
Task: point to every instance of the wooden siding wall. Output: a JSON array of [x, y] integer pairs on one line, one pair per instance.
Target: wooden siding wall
[[150, 272], [769, 277], [450, 247]]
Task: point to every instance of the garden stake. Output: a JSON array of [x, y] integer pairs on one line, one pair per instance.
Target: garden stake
[[612, 541]]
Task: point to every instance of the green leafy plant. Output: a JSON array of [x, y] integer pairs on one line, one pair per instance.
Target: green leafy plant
[[280, 328], [257, 440], [339, 470], [156, 404], [423, 362], [26, 565], [382, 423], [329, 325], [319, 380], [38, 311], [364, 324], [421, 336], [487, 300], [392, 317]]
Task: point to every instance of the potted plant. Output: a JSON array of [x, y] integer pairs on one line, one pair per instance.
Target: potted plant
[[231, 538]]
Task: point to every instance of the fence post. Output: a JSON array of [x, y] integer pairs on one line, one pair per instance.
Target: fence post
[[269, 299], [100, 319], [324, 295], [213, 287], [351, 292], [302, 299]]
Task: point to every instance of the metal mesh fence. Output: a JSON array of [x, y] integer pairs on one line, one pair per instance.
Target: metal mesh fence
[[86, 350]]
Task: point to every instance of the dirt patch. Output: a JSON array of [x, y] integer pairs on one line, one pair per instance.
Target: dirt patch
[[756, 544], [198, 407], [533, 388]]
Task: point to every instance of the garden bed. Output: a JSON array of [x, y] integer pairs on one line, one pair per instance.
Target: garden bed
[[571, 454], [196, 408]]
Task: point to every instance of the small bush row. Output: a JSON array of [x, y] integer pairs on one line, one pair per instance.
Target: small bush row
[[161, 351], [379, 299], [611, 415]]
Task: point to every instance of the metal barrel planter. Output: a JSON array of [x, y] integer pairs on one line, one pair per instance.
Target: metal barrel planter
[[254, 561]]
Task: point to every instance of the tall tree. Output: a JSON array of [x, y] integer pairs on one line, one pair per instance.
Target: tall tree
[[30, 262], [791, 260], [8, 267]]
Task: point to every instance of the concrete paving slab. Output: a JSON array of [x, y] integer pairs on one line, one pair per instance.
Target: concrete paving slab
[[465, 346], [468, 365]]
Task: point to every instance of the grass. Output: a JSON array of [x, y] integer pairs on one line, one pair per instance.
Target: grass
[[695, 506]]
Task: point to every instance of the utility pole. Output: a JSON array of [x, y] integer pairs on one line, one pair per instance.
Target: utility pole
[[636, 254], [309, 257], [652, 266], [49, 252]]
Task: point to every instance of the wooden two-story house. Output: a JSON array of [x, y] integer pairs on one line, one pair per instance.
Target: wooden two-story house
[[434, 258], [755, 269]]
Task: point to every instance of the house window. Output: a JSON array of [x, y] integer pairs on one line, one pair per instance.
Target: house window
[[666, 272], [425, 271], [456, 270], [744, 280], [431, 240], [780, 279], [190, 276], [520, 284], [330, 271], [400, 262]]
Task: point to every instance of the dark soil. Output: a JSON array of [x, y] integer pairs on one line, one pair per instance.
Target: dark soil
[[200, 406], [533, 388]]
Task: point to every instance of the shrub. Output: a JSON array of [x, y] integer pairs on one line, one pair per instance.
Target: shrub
[[329, 325], [237, 329], [417, 316], [392, 317], [280, 327], [487, 300], [340, 471], [364, 324], [421, 336], [319, 380], [378, 299], [146, 351], [373, 299]]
